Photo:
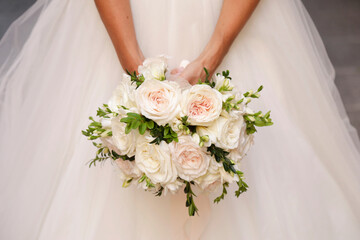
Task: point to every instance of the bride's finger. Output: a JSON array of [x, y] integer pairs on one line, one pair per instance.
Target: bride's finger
[[177, 71]]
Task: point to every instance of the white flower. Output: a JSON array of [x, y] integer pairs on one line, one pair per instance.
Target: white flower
[[224, 132], [155, 161], [202, 104], [158, 100], [190, 159], [109, 143], [222, 83], [125, 143], [154, 68], [123, 95], [212, 179]]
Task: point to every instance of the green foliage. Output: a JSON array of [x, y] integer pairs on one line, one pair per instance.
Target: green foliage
[[207, 79], [190, 204], [257, 120], [127, 182], [230, 104], [186, 127], [241, 184], [220, 155], [147, 180], [103, 153], [115, 156], [252, 94], [163, 133], [224, 192], [159, 192], [136, 121], [160, 133], [226, 85], [137, 79], [105, 112], [95, 130]]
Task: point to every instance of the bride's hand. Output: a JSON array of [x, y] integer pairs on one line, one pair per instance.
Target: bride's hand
[[193, 72]]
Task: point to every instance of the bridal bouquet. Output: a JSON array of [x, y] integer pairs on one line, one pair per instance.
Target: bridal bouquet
[[164, 137]]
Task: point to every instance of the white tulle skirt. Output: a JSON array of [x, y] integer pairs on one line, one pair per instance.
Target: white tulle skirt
[[57, 65]]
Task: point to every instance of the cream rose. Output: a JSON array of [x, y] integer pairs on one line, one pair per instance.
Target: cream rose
[[211, 180], [202, 104], [125, 143], [224, 132], [155, 161], [191, 161], [123, 95], [154, 68], [158, 100]]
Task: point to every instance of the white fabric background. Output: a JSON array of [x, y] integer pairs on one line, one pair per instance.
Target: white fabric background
[[57, 65]]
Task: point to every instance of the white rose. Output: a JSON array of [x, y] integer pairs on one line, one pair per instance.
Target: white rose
[[245, 142], [126, 143], [224, 132], [154, 68], [123, 95], [212, 179], [158, 100], [190, 159], [202, 104], [155, 161]]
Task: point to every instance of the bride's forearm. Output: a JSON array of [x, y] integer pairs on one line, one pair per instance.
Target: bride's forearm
[[233, 16], [117, 18]]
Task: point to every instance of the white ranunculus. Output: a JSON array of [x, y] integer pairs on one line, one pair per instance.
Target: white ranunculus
[[158, 100], [155, 161], [154, 68], [202, 104], [190, 159], [126, 143], [123, 95]]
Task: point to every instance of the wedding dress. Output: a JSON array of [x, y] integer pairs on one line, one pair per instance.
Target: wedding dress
[[57, 65]]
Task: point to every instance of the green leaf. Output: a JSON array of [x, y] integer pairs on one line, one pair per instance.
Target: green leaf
[[127, 128], [126, 119], [150, 124], [134, 115], [142, 128], [136, 124]]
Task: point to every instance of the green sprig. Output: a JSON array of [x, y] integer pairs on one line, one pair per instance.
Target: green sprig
[[163, 133], [190, 204], [257, 120], [185, 126], [147, 180], [224, 192], [207, 79], [137, 79], [137, 121]]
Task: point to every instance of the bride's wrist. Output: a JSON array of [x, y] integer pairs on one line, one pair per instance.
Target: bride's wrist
[[212, 55], [132, 61]]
